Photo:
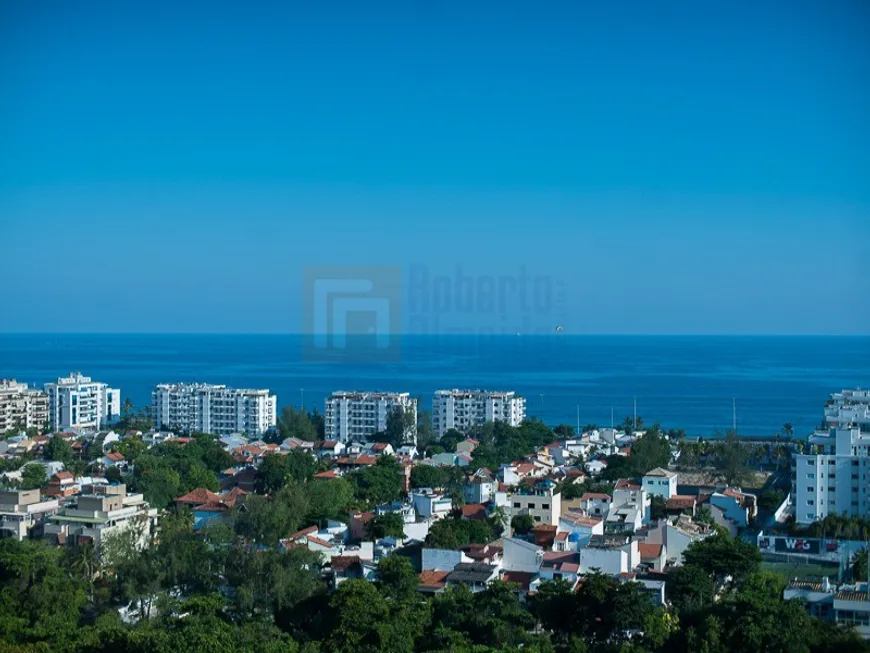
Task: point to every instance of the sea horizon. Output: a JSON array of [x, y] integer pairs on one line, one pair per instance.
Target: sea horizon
[[682, 382]]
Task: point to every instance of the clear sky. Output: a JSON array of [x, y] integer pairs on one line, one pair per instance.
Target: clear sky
[[680, 167]]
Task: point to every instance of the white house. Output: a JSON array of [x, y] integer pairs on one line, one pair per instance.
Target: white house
[[519, 555], [660, 482], [610, 554]]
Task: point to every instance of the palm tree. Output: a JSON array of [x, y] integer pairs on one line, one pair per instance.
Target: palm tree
[[788, 430], [86, 563], [499, 517]]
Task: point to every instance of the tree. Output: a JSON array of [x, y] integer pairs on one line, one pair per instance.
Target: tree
[[360, 615], [397, 579], [425, 435], [721, 555], [428, 476], [690, 589], [451, 438], [522, 524], [390, 524], [379, 483], [58, 449], [277, 470], [294, 423], [730, 460], [859, 566], [401, 427], [265, 520], [451, 533], [328, 499], [33, 477], [787, 430], [564, 431]]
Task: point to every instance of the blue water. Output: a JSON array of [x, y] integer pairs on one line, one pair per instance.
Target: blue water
[[680, 381]]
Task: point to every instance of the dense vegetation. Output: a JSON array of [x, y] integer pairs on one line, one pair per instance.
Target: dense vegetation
[[213, 591]]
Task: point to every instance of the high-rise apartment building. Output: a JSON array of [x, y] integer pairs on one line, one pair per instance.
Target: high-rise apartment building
[[214, 409], [79, 402], [833, 476], [464, 409], [356, 416], [21, 407]]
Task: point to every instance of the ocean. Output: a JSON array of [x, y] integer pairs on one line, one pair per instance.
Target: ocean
[[688, 382]]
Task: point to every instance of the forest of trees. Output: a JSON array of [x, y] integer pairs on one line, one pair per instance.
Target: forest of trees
[[215, 591]]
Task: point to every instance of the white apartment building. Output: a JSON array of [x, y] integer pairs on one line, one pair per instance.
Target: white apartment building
[[215, 409], [21, 510], [464, 409], [99, 512], [79, 402], [835, 478], [356, 416], [22, 406], [849, 408]]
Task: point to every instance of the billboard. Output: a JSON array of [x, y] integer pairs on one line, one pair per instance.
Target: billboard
[[796, 545]]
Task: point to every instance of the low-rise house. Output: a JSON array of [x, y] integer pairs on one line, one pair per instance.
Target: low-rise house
[[329, 448], [480, 487], [62, 484], [736, 506], [431, 505], [519, 555], [380, 449], [442, 559], [846, 605], [408, 451], [113, 459], [21, 511], [595, 467], [681, 504], [595, 503], [652, 556], [233, 441], [473, 511], [582, 526], [198, 497], [660, 482], [559, 565], [344, 567], [433, 582], [680, 534], [611, 554], [358, 525], [407, 511], [474, 575]]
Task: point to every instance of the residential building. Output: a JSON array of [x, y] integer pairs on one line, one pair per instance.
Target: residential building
[[214, 409], [359, 415], [100, 511], [480, 487], [543, 502], [21, 510], [849, 408], [846, 605], [610, 554], [835, 478], [22, 407], [660, 483], [79, 402], [464, 409], [581, 527]]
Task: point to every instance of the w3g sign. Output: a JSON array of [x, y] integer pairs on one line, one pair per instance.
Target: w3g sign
[[797, 545]]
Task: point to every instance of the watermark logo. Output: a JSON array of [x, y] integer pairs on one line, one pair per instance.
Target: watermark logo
[[516, 303], [352, 312]]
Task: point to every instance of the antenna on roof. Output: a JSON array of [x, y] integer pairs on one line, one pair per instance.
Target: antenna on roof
[[635, 413], [734, 414]]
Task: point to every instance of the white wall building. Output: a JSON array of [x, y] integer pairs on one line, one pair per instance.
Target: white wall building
[[464, 409], [21, 406], [849, 408], [102, 511], [835, 479], [21, 510], [610, 554], [215, 409], [544, 504], [660, 483], [359, 415], [79, 402]]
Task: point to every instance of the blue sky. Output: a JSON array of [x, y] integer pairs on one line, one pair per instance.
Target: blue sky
[[680, 167]]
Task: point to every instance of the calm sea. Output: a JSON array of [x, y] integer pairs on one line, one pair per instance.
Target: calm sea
[[680, 381]]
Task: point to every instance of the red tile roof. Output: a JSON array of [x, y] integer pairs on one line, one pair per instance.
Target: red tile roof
[[303, 533], [433, 579], [343, 563], [326, 475], [595, 495], [680, 502], [626, 484], [319, 542], [473, 511], [62, 476], [649, 550], [115, 456], [521, 578], [199, 497]]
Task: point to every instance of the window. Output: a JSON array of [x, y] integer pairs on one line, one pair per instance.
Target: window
[[516, 504], [810, 502], [811, 489], [811, 476], [809, 515], [531, 506], [545, 506]]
